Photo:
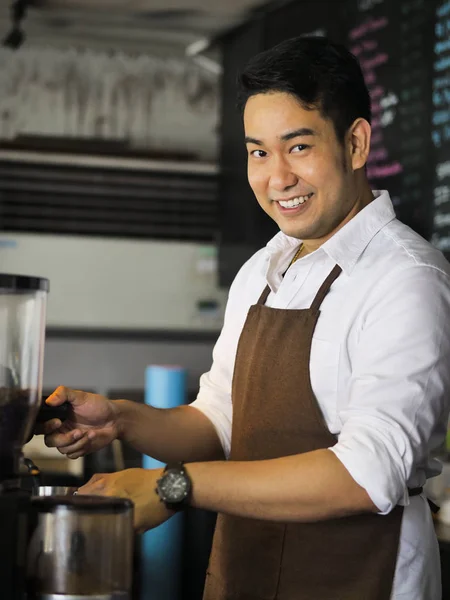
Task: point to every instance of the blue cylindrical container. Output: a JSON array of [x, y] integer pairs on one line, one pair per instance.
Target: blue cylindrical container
[[161, 565]]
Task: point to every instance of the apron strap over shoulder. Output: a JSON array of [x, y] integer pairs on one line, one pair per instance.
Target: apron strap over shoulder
[[325, 287], [265, 294]]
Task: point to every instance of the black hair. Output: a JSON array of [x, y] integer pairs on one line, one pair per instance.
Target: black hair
[[321, 74]]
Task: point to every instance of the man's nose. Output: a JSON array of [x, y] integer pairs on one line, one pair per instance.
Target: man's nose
[[281, 176]]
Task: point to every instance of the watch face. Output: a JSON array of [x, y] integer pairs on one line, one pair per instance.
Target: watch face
[[174, 486]]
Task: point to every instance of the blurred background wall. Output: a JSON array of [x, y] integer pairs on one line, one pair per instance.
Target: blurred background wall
[[169, 105]]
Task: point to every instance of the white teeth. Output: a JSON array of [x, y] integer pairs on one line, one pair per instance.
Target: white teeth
[[295, 201]]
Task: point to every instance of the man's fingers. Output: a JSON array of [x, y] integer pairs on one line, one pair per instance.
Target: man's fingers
[[90, 491], [95, 486], [51, 426], [96, 478], [75, 455], [63, 394], [47, 427], [80, 447], [59, 396], [63, 439]]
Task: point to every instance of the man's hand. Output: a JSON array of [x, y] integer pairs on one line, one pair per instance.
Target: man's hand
[[138, 485], [92, 423], [169, 435]]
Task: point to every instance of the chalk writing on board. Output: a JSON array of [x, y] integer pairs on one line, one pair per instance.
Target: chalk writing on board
[[365, 44], [442, 64], [441, 219], [443, 10], [443, 170], [442, 46], [369, 26], [441, 82], [389, 100], [384, 171], [442, 243], [441, 195], [441, 201], [387, 118], [315, 33], [440, 133], [441, 97], [441, 117]]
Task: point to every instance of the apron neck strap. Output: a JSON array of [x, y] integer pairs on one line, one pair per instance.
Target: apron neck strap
[[264, 295], [325, 287]]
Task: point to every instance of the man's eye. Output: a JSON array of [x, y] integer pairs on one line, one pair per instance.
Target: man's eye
[[258, 153], [299, 148]]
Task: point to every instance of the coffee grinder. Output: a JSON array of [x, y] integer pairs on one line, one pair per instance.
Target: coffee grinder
[[58, 547], [22, 333]]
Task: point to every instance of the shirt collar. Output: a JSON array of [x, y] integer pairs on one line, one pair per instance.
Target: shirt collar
[[344, 248], [347, 245]]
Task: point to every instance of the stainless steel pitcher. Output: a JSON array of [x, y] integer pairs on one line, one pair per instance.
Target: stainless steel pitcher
[[80, 547]]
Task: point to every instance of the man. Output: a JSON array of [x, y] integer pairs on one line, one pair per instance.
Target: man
[[329, 388]]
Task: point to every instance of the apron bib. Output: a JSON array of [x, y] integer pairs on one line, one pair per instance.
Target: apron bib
[[275, 414]]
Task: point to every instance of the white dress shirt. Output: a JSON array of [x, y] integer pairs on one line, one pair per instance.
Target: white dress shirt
[[380, 364]]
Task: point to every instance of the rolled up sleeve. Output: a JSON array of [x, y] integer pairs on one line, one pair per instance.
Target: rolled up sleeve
[[214, 396], [399, 391], [215, 404]]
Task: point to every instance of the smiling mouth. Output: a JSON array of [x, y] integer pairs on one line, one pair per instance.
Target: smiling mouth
[[295, 202]]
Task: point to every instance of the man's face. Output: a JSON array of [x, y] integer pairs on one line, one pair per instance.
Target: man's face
[[301, 175]]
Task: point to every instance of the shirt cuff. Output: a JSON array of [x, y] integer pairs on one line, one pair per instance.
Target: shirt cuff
[[374, 468], [220, 421]]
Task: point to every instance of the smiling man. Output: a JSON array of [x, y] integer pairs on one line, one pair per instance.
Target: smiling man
[[305, 178], [329, 388]]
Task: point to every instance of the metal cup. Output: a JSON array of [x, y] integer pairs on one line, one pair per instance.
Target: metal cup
[[54, 490], [80, 548]]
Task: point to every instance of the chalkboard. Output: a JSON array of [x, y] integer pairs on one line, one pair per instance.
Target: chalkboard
[[441, 127], [404, 50], [393, 42]]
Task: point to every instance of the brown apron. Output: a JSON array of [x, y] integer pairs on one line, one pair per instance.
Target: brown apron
[[275, 414]]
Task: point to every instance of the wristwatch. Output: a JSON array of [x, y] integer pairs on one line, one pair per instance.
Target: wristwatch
[[174, 487]]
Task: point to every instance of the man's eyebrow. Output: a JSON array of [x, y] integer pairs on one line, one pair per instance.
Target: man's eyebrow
[[250, 140], [302, 132]]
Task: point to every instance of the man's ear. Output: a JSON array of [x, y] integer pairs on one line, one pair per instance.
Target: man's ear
[[359, 142]]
